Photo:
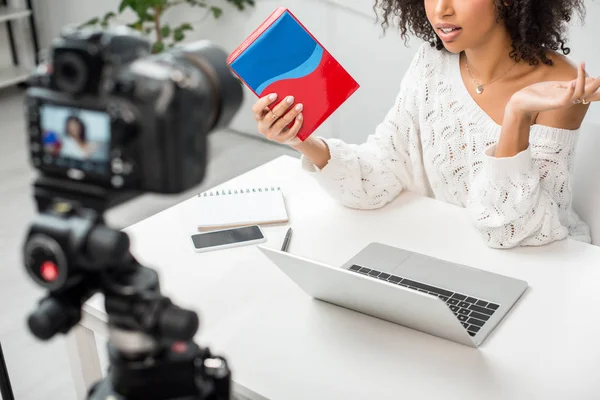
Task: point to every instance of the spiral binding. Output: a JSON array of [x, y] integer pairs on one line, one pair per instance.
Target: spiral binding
[[227, 192]]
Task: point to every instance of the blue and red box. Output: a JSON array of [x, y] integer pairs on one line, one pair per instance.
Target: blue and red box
[[281, 56]]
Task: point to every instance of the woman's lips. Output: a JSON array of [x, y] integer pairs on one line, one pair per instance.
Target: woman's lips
[[449, 34]]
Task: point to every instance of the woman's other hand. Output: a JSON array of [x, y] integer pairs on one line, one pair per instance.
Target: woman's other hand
[[273, 124], [551, 95]]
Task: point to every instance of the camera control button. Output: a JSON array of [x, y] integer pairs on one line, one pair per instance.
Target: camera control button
[[35, 147], [113, 111], [75, 174], [128, 116], [116, 153], [117, 181], [117, 166], [127, 168]]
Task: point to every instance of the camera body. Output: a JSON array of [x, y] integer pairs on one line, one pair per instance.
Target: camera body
[[106, 112]]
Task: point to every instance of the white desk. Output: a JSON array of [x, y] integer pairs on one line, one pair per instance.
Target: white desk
[[283, 345]]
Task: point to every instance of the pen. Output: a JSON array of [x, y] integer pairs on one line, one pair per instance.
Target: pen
[[286, 241]]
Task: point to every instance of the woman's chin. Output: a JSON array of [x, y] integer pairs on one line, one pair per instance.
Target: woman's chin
[[453, 47]]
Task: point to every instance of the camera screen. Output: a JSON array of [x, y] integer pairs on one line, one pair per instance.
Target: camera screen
[[75, 138]]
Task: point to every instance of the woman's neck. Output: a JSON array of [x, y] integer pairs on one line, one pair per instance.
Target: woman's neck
[[491, 59]]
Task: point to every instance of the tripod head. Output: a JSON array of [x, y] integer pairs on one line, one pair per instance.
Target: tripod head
[[70, 251]]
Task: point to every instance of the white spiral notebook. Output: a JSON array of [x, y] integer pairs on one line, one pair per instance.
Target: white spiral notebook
[[226, 208]]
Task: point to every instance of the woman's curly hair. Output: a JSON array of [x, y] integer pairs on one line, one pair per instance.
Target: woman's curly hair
[[534, 25]]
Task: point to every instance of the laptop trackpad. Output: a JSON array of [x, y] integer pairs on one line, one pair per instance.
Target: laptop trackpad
[[448, 275], [380, 257]]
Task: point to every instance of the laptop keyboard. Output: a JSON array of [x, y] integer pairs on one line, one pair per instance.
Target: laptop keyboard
[[472, 312]]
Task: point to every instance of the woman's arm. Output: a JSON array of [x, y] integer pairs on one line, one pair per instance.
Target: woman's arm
[[371, 174], [518, 195], [524, 200]]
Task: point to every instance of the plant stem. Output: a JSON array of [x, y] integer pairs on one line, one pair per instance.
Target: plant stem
[[157, 12]]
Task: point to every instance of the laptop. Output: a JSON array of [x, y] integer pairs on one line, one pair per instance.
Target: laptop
[[441, 298]]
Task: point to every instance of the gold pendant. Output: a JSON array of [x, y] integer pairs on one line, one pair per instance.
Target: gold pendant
[[479, 89]]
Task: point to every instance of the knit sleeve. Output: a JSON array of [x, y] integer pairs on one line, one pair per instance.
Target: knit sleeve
[[369, 175], [515, 201]]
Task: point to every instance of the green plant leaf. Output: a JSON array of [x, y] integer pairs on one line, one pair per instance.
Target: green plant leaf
[[109, 15], [91, 22], [150, 12], [241, 4], [179, 32], [185, 27], [165, 31], [158, 47], [216, 11], [137, 25], [106, 19], [178, 35], [126, 3], [196, 3], [140, 7]]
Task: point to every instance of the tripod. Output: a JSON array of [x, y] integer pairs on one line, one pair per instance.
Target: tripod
[[5, 386], [70, 251]]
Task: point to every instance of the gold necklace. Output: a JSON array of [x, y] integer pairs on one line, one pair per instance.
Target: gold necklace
[[479, 86]]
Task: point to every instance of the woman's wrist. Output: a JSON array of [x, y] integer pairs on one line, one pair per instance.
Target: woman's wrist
[[303, 145], [514, 137], [315, 150]]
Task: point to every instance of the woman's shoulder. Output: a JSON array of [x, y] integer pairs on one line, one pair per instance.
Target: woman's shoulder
[[562, 68]]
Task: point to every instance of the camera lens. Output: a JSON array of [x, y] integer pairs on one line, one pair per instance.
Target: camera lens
[[70, 73], [227, 94]]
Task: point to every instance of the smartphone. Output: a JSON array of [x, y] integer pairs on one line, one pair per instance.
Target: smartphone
[[227, 238]]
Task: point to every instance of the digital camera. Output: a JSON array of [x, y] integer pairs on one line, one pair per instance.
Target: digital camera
[[105, 112]]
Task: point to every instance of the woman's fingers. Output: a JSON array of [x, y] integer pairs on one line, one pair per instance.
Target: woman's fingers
[[291, 134], [279, 110], [273, 121], [260, 115], [567, 99], [579, 84], [286, 119], [593, 97], [591, 90], [263, 103]]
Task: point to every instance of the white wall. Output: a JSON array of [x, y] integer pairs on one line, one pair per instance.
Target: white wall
[[345, 27]]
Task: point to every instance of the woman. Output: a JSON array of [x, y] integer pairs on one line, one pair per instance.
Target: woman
[[76, 144], [487, 118]]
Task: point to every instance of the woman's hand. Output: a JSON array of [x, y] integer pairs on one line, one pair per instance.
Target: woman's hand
[[546, 96], [527, 105], [273, 124]]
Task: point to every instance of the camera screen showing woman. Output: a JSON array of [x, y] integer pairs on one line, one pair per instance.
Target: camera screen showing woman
[[81, 135], [76, 144]]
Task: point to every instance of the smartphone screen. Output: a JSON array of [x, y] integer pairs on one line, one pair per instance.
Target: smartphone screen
[[227, 237]]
